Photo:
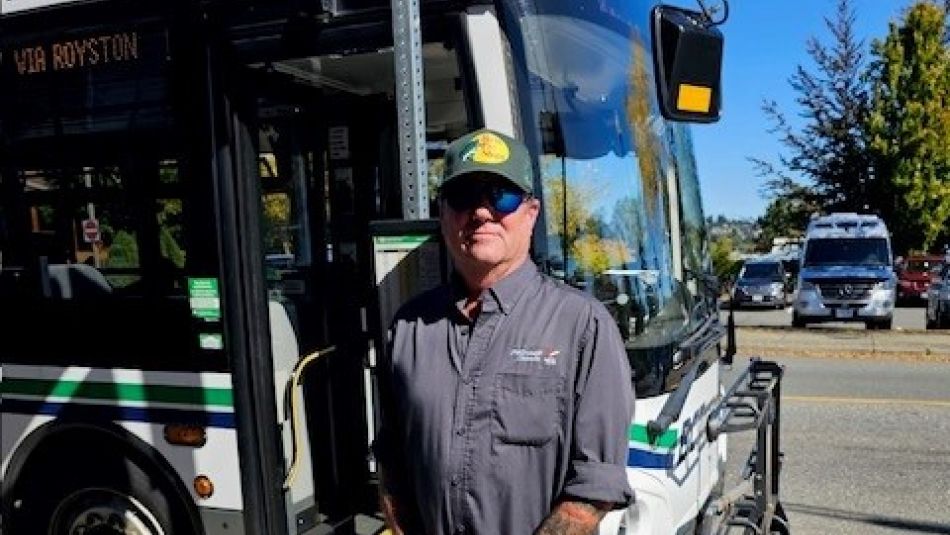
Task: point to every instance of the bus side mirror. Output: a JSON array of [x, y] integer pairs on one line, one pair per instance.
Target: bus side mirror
[[687, 60]]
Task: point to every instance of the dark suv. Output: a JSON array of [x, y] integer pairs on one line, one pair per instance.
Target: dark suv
[[913, 277], [761, 283]]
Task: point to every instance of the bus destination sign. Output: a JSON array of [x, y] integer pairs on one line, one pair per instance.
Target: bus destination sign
[[74, 54], [13, 6]]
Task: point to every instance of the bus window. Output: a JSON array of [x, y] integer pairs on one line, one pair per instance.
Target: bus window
[[105, 214]]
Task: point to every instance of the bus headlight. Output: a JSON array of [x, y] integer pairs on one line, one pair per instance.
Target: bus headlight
[[777, 288]]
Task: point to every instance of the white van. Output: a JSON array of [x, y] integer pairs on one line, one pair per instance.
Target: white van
[[847, 272]]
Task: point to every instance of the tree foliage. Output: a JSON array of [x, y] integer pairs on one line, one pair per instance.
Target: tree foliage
[[829, 149], [909, 125], [724, 266], [787, 215]]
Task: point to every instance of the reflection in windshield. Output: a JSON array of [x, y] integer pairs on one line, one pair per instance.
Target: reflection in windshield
[[761, 271], [607, 188], [848, 252]]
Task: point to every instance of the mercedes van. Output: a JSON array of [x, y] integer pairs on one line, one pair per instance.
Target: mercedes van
[[846, 272]]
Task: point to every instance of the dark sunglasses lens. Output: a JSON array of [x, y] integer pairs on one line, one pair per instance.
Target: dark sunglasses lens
[[462, 197], [466, 196], [505, 200]]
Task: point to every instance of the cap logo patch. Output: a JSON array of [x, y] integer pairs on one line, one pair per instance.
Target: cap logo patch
[[486, 148]]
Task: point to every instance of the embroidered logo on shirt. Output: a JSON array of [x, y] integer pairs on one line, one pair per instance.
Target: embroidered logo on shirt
[[545, 356]]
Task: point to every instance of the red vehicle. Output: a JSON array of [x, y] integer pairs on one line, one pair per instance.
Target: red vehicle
[[914, 277]]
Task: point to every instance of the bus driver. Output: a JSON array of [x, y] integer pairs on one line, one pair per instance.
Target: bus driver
[[508, 395]]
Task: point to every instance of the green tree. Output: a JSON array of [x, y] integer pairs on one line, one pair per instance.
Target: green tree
[[123, 253], [786, 215], [829, 149], [724, 266], [909, 126]]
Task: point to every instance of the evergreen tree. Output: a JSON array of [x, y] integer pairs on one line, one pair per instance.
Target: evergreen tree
[[786, 215], [909, 126], [829, 149]]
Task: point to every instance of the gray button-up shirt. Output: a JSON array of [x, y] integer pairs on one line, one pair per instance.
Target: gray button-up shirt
[[484, 430]]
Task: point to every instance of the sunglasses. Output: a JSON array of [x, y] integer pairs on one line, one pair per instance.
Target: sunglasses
[[502, 197]]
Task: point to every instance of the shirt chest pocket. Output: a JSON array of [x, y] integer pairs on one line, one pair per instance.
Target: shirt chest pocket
[[528, 408]]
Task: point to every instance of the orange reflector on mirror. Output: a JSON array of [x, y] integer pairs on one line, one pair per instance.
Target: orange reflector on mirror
[[204, 488], [694, 98]]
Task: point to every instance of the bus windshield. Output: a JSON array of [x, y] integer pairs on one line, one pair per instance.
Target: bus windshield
[[621, 205]]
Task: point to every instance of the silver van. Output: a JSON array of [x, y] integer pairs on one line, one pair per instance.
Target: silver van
[[846, 273]]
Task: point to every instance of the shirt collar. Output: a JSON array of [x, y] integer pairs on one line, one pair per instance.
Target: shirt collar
[[504, 293]]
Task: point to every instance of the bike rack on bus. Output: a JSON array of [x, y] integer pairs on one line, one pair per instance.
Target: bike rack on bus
[[753, 402]]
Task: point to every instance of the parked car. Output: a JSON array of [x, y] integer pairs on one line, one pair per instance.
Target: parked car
[[761, 283], [847, 272], [913, 277], [938, 299]]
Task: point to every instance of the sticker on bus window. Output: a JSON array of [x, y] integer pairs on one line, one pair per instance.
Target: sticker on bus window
[[210, 341], [204, 298]]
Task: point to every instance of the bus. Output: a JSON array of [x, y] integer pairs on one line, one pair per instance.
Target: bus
[[210, 209]]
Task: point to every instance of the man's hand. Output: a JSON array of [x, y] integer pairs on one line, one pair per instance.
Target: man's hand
[[573, 517]]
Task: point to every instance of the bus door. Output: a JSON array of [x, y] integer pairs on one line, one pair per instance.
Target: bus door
[[323, 128], [318, 161]]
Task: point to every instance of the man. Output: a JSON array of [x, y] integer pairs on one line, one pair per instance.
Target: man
[[507, 397]]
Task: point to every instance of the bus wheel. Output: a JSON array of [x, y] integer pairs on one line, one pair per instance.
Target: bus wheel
[[104, 512], [91, 502]]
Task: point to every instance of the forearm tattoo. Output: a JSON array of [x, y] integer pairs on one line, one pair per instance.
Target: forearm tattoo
[[573, 518]]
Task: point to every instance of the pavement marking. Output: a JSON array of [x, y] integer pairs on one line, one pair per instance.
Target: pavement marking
[[870, 401]]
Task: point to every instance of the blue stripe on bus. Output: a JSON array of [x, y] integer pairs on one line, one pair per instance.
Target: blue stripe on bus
[[645, 459], [116, 413]]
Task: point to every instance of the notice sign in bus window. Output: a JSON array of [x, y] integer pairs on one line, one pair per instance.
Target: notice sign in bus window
[[204, 298], [73, 54]]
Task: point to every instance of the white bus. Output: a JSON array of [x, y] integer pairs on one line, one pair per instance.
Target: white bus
[[209, 210]]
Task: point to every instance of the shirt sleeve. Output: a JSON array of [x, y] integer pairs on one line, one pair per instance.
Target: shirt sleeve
[[603, 413], [387, 448]]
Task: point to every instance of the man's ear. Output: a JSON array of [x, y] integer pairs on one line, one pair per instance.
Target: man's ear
[[533, 205]]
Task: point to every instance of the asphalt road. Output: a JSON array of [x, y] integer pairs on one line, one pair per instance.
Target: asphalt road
[[867, 446]]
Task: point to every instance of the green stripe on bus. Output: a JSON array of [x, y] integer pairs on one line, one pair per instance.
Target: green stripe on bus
[[639, 433], [221, 397]]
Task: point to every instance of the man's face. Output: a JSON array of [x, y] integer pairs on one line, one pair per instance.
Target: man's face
[[481, 237]]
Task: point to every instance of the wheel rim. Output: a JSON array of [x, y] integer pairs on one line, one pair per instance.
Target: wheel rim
[[99, 511]]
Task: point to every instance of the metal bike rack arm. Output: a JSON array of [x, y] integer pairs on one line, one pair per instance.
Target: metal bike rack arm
[[753, 402]]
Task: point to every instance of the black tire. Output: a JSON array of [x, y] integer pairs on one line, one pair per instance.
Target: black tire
[[943, 318], [798, 322], [107, 500]]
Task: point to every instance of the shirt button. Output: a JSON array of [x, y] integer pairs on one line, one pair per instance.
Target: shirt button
[[460, 528], [455, 481], [460, 431]]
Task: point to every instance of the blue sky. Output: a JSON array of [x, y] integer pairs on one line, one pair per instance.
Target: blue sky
[[764, 42]]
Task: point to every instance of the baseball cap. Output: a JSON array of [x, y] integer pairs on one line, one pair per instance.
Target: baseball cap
[[487, 151]]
